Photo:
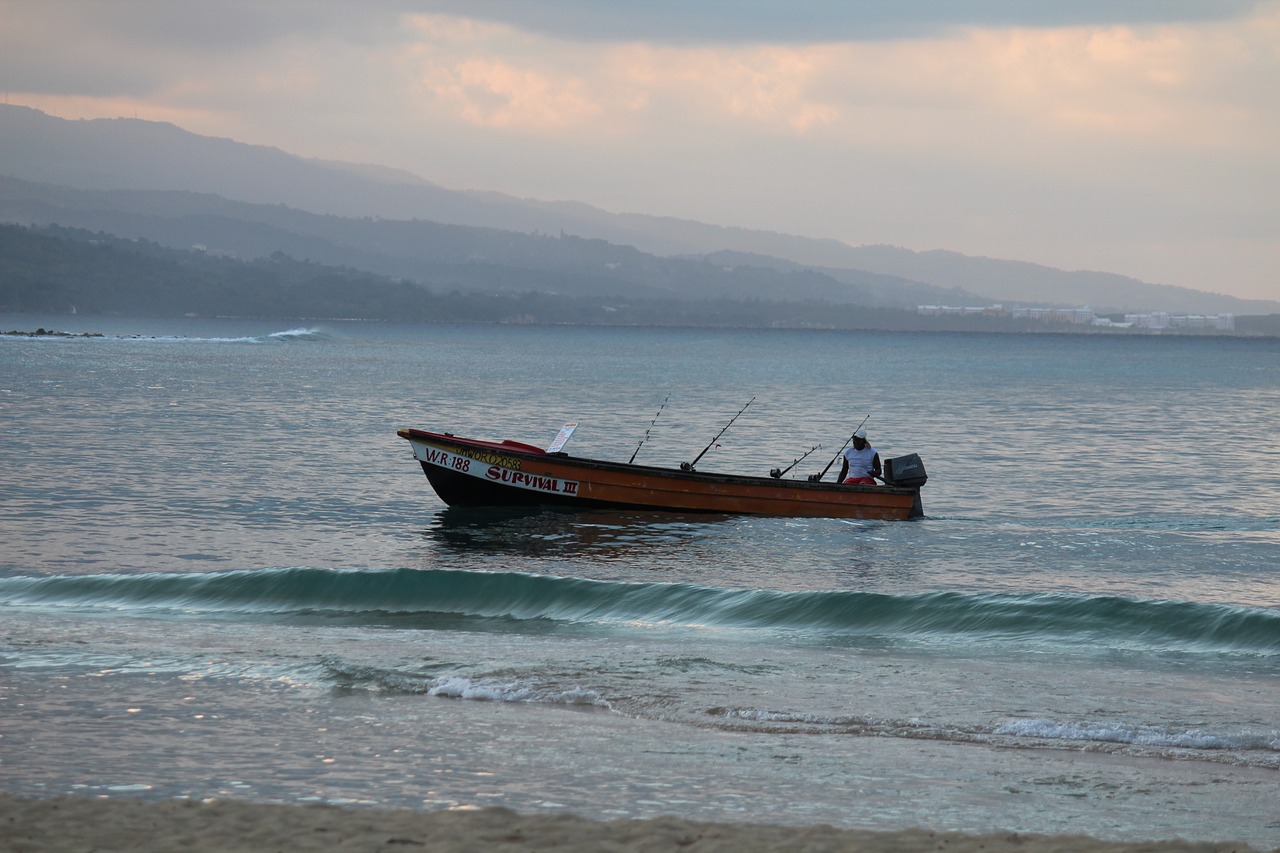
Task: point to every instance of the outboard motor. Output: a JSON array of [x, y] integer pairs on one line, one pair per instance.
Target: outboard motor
[[907, 472]]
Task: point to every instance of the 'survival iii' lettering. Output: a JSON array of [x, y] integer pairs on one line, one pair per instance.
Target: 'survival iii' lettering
[[532, 481]]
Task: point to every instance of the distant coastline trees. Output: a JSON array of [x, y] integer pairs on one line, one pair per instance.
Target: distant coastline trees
[[58, 270]]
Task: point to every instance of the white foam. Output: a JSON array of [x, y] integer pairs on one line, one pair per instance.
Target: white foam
[[458, 687], [1123, 733], [461, 687], [295, 333]]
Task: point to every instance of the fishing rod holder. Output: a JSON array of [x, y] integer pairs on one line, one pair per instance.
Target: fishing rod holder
[[776, 473], [688, 466]]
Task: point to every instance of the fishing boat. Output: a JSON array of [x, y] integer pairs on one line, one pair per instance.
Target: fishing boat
[[469, 472]]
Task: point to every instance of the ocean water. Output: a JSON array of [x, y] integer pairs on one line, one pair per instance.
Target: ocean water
[[223, 575]]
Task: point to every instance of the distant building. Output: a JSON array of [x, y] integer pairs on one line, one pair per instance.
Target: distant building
[[1153, 320], [1085, 316], [1159, 320], [968, 311], [1078, 316]]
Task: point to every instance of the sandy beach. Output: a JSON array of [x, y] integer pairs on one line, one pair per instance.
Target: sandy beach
[[84, 824]]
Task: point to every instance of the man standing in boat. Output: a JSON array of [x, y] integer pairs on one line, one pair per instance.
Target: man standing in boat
[[861, 463]]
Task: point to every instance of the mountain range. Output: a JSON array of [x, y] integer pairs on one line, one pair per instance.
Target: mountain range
[[155, 181]]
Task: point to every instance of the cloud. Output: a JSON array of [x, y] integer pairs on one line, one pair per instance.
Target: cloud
[[1114, 86], [810, 21], [494, 93]]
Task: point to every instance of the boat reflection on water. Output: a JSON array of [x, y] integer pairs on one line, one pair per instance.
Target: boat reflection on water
[[542, 533]]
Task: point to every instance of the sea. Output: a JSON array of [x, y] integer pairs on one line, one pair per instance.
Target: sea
[[223, 576]]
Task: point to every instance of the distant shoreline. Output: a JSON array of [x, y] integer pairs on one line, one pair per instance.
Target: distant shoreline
[[50, 333], [1109, 333], [61, 272]]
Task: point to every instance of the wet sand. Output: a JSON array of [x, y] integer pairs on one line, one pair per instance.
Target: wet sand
[[84, 824]]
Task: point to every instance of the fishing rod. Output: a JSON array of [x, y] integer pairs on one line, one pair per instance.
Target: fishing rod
[[777, 474], [814, 478], [688, 466], [646, 432]]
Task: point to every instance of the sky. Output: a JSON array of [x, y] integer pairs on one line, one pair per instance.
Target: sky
[[1139, 137]]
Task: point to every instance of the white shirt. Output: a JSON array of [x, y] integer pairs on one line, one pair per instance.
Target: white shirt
[[860, 461]]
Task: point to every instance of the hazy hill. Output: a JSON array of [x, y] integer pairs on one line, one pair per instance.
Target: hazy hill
[[59, 270], [129, 154], [443, 256], [1018, 281]]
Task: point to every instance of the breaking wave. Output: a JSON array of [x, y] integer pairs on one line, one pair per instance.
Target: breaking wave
[[522, 602]]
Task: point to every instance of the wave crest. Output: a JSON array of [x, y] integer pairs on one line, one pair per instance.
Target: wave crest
[[508, 601]]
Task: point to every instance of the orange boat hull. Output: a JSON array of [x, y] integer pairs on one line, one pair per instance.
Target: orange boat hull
[[470, 472]]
